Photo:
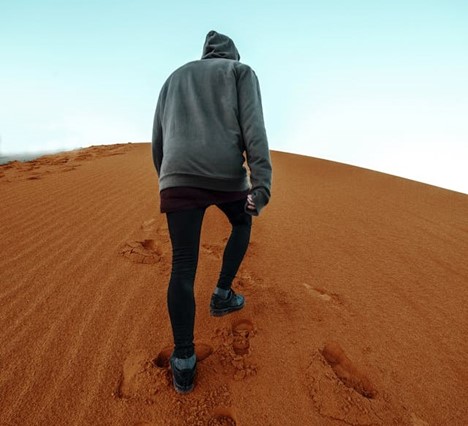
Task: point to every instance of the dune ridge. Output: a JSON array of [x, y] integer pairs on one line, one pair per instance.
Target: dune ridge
[[355, 282]]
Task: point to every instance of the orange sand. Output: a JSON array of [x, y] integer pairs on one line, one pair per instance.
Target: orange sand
[[356, 286]]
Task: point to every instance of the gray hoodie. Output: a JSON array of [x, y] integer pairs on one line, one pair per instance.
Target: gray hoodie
[[209, 112]]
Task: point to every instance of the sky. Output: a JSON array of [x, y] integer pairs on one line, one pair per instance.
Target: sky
[[376, 84]]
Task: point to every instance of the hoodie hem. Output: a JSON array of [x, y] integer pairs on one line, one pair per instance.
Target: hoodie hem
[[216, 184]]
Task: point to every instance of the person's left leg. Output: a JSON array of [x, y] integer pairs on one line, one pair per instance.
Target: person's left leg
[[184, 229]]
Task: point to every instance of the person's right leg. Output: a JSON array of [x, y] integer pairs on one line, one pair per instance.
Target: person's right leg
[[184, 230], [238, 242]]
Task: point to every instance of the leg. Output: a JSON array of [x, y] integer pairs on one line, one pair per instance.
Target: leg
[[184, 229], [238, 242]]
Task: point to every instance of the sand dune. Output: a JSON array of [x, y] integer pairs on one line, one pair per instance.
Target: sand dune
[[355, 284]]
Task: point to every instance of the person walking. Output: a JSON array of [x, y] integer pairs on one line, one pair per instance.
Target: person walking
[[209, 112]]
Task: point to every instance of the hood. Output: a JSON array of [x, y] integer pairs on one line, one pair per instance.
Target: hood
[[218, 45]]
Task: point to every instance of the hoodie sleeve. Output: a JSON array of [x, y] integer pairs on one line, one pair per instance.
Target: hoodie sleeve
[[157, 139], [254, 134]]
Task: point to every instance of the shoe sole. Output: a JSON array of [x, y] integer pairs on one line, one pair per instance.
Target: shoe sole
[[182, 390], [225, 311]]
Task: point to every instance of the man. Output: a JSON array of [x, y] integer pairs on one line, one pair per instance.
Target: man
[[209, 112]]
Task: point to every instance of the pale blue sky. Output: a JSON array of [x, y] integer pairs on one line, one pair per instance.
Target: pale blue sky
[[377, 84]]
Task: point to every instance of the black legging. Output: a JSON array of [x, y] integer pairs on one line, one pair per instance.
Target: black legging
[[184, 229]]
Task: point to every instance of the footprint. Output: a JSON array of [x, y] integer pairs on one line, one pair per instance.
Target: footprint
[[152, 226], [68, 168], [6, 166], [28, 166], [242, 330], [59, 160], [222, 417], [346, 371], [245, 283], [234, 349], [82, 157], [321, 294], [34, 177], [215, 250], [104, 150], [15, 164], [145, 251], [202, 350], [334, 400], [113, 151]]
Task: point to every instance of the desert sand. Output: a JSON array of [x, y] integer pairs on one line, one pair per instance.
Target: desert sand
[[356, 286]]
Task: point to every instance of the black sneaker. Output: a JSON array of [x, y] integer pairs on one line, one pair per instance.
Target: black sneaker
[[183, 378], [220, 306]]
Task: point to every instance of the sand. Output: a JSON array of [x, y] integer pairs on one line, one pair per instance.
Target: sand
[[355, 284]]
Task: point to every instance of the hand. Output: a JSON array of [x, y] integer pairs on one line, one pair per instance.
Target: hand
[[250, 203]]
